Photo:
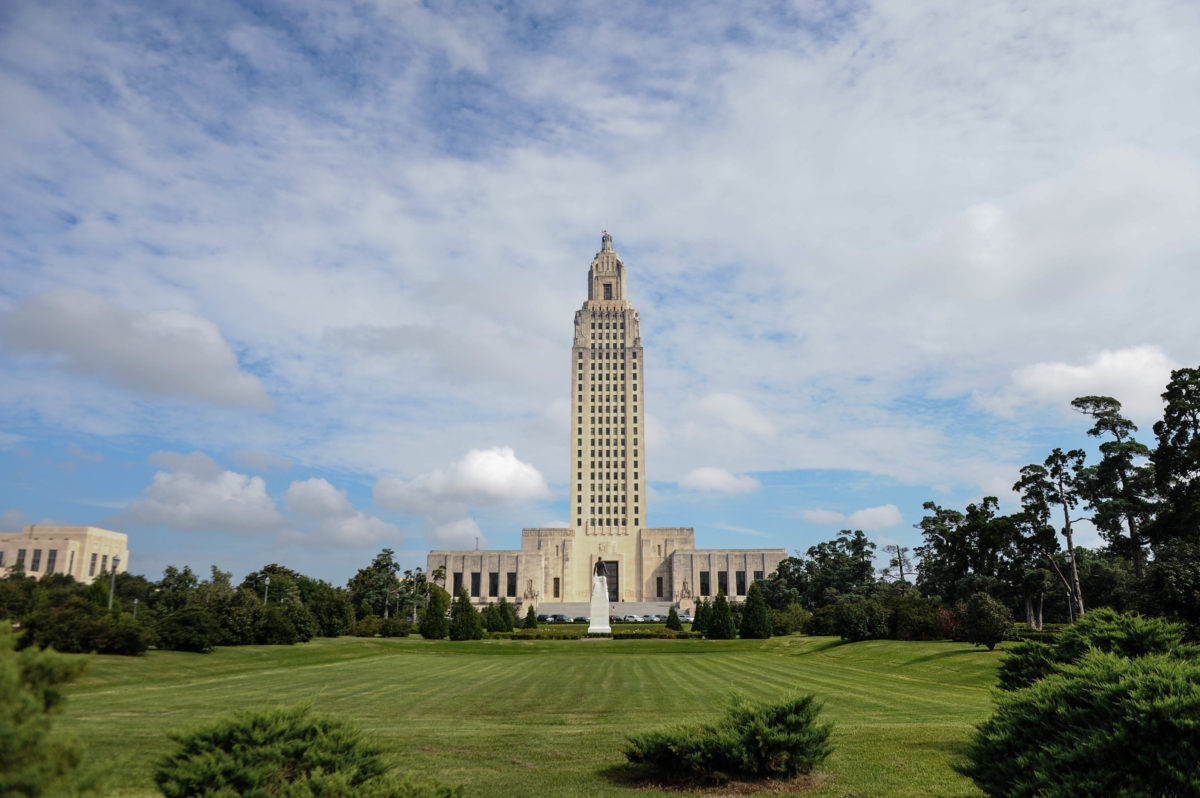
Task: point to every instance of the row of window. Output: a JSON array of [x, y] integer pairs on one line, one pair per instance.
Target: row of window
[[607, 325], [723, 582], [604, 521], [35, 561], [510, 583]]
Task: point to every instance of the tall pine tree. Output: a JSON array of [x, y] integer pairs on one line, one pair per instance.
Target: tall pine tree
[[720, 625], [465, 623], [756, 625]]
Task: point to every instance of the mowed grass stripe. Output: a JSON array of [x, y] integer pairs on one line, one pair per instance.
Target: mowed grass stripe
[[513, 718]]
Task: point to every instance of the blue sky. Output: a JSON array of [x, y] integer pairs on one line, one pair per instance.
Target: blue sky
[[291, 282]]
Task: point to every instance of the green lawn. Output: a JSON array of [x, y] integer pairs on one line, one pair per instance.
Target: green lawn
[[516, 718]]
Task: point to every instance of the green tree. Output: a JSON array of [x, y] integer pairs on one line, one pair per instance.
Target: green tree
[[376, 584], [987, 621], [531, 621], [1120, 489], [1058, 482], [32, 761], [507, 619], [840, 567], [720, 625], [755, 622], [702, 616], [1177, 459], [465, 623], [176, 589], [673, 621], [434, 625], [786, 585]]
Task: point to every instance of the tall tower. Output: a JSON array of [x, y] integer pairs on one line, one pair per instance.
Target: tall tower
[[608, 463]]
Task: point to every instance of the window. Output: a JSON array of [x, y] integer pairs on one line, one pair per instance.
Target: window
[[1, 558], [705, 587], [607, 295], [494, 583], [512, 584], [457, 583], [556, 587], [476, 578], [659, 583], [51, 560], [70, 564], [91, 570], [758, 576], [740, 582], [723, 582], [104, 564], [36, 564]]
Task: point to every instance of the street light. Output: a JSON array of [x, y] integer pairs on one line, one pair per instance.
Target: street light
[[266, 588], [112, 581]]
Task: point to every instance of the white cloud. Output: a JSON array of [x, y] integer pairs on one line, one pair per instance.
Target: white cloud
[[875, 518], [1136, 377], [867, 519], [318, 503], [480, 477], [196, 493], [161, 353], [259, 461], [463, 533], [823, 516], [13, 521], [718, 480]]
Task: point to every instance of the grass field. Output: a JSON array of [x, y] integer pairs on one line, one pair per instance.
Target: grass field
[[517, 718]]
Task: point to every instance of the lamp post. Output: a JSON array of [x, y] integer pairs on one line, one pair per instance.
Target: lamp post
[[135, 602], [266, 589], [112, 581]]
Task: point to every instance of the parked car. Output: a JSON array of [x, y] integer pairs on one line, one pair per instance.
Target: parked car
[[581, 619], [558, 618], [543, 619], [632, 619], [685, 618]]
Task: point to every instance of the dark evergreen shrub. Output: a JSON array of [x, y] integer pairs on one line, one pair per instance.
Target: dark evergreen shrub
[[531, 621], [274, 627], [914, 618], [465, 623], [368, 626], [949, 624], [282, 752], [861, 619], [434, 625], [188, 629], [80, 627], [1106, 725], [701, 616], [755, 622], [396, 627], [987, 621], [507, 618], [673, 621], [720, 625], [823, 621], [1125, 634], [750, 741]]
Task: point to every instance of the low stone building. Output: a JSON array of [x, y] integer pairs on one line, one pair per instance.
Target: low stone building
[[606, 474], [84, 552]]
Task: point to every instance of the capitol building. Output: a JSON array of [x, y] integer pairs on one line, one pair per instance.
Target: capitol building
[[607, 475]]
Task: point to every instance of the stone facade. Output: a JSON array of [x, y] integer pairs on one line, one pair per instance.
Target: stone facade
[[607, 470], [84, 552]]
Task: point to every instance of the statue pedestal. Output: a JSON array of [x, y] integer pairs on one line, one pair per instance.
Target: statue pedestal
[[599, 613]]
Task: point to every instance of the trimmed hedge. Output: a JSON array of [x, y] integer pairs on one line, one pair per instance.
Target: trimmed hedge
[[751, 740]]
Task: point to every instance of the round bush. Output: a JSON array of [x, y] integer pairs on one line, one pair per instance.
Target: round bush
[[987, 621], [1105, 725], [188, 629]]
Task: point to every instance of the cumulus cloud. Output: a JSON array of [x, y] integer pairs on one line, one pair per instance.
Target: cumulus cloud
[[718, 480], [195, 493], [160, 353], [867, 519], [481, 477], [316, 503], [463, 533], [1135, 376]]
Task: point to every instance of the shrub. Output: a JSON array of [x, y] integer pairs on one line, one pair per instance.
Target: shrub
[[673, 621], [274, 627], [368, 626], [701, 617], [465, 623], [987, 621], [861, 619], [396, 627], [32, 762], [79, 627], [188, 629], [720, 623], [823, 621], [949, 624], [914, 618], [531, 621], [755, 623], [1125, 634], [751, 740], [285, 752], [1106, 725], [434, 625], [507, 618]]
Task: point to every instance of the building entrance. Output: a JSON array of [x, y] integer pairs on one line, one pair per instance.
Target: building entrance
[[612, 568]]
